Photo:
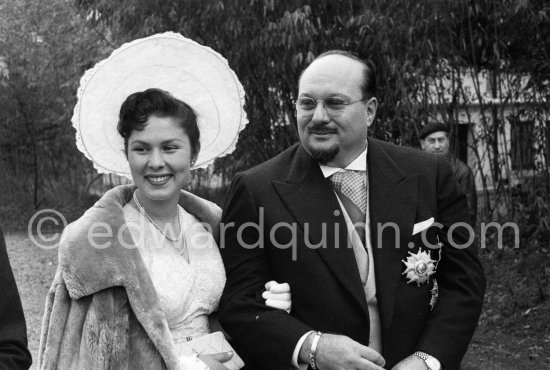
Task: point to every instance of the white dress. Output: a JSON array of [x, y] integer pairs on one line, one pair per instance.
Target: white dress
[[188, 291]]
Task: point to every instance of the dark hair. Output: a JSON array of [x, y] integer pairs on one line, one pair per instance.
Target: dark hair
[[368, 87], [139, 106]]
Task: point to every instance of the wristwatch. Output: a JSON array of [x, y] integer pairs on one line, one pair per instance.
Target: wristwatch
[[431, 362]]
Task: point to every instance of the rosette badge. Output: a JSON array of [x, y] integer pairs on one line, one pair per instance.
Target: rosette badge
[[419, 267]]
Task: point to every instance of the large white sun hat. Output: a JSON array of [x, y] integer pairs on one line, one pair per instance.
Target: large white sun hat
[[192, 73]]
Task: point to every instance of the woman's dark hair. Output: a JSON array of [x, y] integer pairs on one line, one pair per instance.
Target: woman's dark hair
[[138, 107]]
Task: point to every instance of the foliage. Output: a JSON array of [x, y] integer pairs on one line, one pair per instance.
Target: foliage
[[434, 59], [45, 48]]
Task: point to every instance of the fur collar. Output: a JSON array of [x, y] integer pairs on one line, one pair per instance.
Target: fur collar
[[96, 251]]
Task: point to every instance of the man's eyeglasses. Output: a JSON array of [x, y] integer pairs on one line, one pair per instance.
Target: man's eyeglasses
[[333, 106]]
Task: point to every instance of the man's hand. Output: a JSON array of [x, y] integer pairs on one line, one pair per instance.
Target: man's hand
[[411, 363], [338, 352]]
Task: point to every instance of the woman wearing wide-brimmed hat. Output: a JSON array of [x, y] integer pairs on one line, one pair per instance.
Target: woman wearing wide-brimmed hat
[[140, 272]]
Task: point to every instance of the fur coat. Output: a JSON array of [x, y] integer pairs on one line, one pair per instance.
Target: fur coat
[[102, 311]]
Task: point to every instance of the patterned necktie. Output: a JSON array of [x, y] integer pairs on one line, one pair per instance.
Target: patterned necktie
[[352, 185]]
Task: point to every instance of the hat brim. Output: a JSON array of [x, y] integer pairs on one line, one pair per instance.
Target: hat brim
[[192, 73]]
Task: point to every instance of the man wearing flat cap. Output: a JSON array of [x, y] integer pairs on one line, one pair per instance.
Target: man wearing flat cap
[[434, 138]]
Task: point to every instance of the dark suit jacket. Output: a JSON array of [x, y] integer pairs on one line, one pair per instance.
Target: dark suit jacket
[[465, 177], [13, 331], [293, 205]]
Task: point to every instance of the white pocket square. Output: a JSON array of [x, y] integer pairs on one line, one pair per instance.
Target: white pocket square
[[421, 226]]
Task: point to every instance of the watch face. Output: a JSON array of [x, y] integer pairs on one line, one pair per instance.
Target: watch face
[[432, 363]]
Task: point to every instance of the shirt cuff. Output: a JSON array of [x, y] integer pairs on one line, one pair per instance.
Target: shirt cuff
[[296, 352]]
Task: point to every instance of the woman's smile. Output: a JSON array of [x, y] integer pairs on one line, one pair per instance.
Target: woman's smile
[[160, 159], [158, 180]]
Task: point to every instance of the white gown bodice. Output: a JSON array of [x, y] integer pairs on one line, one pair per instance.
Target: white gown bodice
[[187, 291]]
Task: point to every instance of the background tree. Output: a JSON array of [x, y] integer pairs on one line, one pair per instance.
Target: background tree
[[45, 47], [417, 46]]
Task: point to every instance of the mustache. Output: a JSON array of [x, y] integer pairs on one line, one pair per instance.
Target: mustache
[[322, 128]]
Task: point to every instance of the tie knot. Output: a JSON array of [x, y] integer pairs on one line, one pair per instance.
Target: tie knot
[[352, 185], [347, 178]]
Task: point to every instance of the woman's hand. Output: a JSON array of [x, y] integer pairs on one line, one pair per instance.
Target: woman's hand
[[215, 361], [277, 295]]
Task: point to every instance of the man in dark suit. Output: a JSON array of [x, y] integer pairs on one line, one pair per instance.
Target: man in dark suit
[[13, 331], [434, 139], [336, 216]]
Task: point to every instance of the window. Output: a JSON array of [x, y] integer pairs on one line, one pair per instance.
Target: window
[[521, 149], [459, 141]]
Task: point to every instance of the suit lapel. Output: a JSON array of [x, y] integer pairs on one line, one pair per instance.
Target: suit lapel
[[325, 222], [392, 201]]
